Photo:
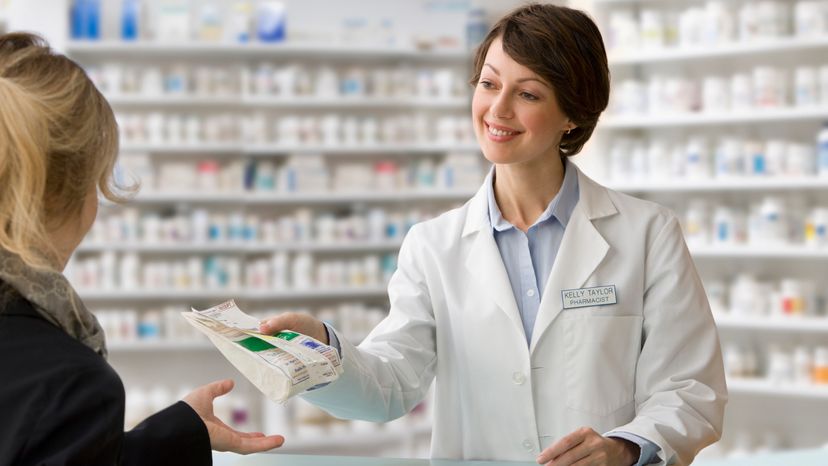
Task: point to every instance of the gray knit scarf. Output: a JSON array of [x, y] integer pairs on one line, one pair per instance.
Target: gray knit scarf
[[54, 298]]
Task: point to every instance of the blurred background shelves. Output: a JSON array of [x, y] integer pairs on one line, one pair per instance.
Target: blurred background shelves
[[267, 102], [781, 115], [772, 389], [326, 198], [241, 247], [763, 48], [818, 325], [240, 294], [190, 50]]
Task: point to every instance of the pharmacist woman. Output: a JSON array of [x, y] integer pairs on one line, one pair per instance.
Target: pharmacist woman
[[564, 322], [60, 401]]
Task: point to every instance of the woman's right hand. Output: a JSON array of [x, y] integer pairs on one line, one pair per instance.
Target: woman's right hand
[[295, 322], [222, 436]]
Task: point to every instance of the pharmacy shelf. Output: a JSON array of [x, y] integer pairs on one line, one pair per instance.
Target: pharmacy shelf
[[347, 439], [677, 54], [327, 198], [240, 294], [223, 51], [212, 148], [284, 149], [382, 149], [773, 324], [628, 2], [240, 247], [759, 252], [149, 346], [766, 387], [780, 115], [264, 102], [724, 184]]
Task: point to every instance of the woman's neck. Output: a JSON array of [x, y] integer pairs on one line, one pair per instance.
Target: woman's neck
[[523, 191]]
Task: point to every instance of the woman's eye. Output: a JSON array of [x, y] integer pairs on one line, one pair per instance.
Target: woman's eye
[[486, 84], [528, 96]]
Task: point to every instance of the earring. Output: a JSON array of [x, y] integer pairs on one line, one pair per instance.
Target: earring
[[568, 131]]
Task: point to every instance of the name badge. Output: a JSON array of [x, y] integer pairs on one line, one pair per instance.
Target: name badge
[[586, 297]]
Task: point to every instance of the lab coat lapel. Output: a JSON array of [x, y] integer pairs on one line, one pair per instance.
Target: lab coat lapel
[[581, 252], [484, 262]]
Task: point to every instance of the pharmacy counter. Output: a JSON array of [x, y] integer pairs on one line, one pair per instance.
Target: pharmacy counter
[[817, 457], [275, 459], [790, 458]]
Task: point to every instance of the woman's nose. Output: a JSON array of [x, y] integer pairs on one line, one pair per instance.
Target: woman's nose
[[502, 106]]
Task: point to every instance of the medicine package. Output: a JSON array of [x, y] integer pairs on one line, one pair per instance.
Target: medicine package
[[281, 365]]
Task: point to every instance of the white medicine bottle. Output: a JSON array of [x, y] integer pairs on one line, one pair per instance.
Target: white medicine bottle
[[822, 151]]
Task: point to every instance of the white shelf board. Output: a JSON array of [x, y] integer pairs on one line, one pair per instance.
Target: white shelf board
[[211, 294], [723, 184], [283, 149], [775, 324], [304, 198], [780, 115], [248, 101], [201, 148], [385, 149], [383, 436], [350, 102], [148, 346], [240, 247], [222, 50], [626, 2], [759, 252], [675, 54], [765, 387]]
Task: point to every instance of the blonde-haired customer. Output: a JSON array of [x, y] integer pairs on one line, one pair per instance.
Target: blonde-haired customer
[[61, 402]]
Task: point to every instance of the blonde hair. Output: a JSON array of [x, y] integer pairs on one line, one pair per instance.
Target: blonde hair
[[58, 139]]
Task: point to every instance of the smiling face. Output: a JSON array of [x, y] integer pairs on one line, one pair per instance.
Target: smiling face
[[516, 115]]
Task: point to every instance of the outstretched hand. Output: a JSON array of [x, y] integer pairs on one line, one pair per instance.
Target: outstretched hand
[[222, 436]]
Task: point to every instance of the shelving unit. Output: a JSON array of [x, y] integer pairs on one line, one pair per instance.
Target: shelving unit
[[760, 252], [763, 48], [304, 198], [154, 50], [185, 296], [196, 354], [752, 401], [796, 324], [768, 388], [710, 119], [281, 149], [253, 101], [745, 185], [241, 247]]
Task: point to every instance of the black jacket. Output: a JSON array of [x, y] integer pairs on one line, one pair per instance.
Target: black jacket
[[63, 404]]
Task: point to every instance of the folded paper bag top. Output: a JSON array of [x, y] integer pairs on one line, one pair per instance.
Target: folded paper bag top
[[281, 365]]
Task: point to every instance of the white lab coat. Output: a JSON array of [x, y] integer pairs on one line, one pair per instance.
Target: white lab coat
[[650, 365]]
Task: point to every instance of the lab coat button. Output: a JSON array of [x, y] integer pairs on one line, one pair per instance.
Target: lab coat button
[[530, 293], [518, 378], [527, 444]]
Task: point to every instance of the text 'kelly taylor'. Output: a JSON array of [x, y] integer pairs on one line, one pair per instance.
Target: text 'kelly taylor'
[[596, 296]]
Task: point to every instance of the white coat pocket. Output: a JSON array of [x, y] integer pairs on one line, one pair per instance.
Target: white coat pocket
[[601, 355]]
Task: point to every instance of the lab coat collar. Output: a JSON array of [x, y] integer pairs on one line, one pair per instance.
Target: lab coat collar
[[593, 199], [582, 249], [560, 207]]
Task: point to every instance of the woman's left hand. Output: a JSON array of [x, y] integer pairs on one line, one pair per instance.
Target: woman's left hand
[[585, 447], [222, 436]]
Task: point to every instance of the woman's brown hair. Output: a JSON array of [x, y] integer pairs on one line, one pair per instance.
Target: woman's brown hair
[[564, 47], [58, 140]]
